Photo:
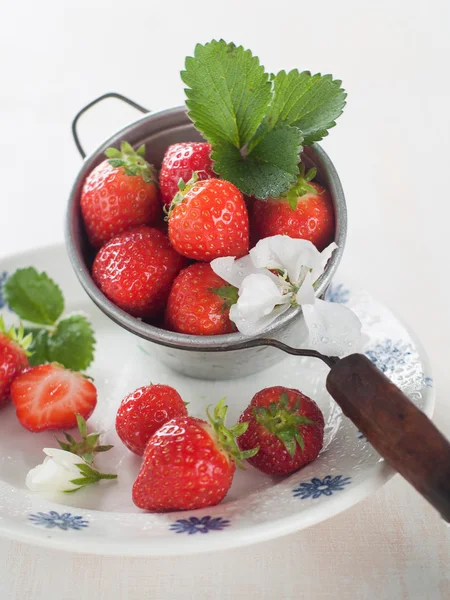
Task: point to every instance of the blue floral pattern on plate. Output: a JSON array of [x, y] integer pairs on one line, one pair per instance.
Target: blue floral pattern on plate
[[64, 521], [337, 293], [199, 525], [321, 487], [387, 355], [3, 278]]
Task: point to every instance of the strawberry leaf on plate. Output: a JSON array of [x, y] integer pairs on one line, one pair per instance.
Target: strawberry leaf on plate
[[38, 347], [228, 92], [34, 296], [72, 343], [269, 169], [310, 102]]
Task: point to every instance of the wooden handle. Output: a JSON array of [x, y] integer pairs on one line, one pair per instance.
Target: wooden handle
[[395, 427]]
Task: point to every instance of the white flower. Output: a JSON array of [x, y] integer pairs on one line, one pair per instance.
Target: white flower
[[281, 272], [56, 473], [59, 471]]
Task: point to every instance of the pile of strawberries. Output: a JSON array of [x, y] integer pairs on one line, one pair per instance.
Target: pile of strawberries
[[189, 463], [148, 233]]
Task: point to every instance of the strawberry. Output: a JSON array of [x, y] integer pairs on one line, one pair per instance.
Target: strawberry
[[288, 428], [135, 270], [305, 212], [119, 194], [179, 162], [189, 463], [49, 397], [208, 219], [13, 357], [199, 302], [144, 411]]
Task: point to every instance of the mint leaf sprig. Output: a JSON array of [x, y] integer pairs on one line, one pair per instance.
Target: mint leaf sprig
[[257, 123], [37, 300]]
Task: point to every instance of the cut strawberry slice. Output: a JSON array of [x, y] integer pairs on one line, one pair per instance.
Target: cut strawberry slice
[[49, 397]]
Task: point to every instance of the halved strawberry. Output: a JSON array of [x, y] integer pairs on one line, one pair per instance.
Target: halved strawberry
[[49, 397]]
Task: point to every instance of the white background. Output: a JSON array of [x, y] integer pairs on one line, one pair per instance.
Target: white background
[[392, 150]]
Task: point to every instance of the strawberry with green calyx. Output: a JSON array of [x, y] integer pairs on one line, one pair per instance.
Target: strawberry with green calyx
[[305, 211], [189, 463], [288, 428], [14, 345], [199, 302], [208, 219], [119, 194], [88, 446], [179, 163]]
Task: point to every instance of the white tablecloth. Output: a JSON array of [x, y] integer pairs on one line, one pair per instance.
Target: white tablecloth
[[392, 151]]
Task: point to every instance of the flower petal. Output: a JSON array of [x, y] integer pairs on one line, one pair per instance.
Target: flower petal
[[325, 256], [65, 459], [50, 477], [333, 328], [250, 328], [306, 294], [235, 271], [285, 253], [258, 296]]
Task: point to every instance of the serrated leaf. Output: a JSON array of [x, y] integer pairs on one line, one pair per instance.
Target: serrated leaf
[[228, 92], [38, 347], [310, 102], [270, 168], [34, 296], [72, 343]]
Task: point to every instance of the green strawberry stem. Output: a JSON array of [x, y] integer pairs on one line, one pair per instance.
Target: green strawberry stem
[[133, 161], [17, 335], [87, 447], [283, 422], [183, 189], [88, 477], [227, 437], [300, 187]]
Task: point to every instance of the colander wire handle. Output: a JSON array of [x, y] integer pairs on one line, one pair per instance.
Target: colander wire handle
[[75, 135]]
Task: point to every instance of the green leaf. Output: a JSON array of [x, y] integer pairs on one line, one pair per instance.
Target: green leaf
[[34, 296], [228, 92], [268, 170], [310, 102], [72, 343], [38, 347]]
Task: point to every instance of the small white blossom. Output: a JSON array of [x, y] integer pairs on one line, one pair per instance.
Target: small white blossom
[[55, 474], [63, 471], [281, 272]]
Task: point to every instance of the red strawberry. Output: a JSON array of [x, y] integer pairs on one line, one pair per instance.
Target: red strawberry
[[135, 270], [208, 219], [49, 397], [119, 194], [13, 358], [144, 411], [179, 162], [305, 212], [189, 464], [288, 428], [199, 302]]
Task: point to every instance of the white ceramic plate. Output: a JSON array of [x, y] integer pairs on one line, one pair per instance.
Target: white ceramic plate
[[102, 519]]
